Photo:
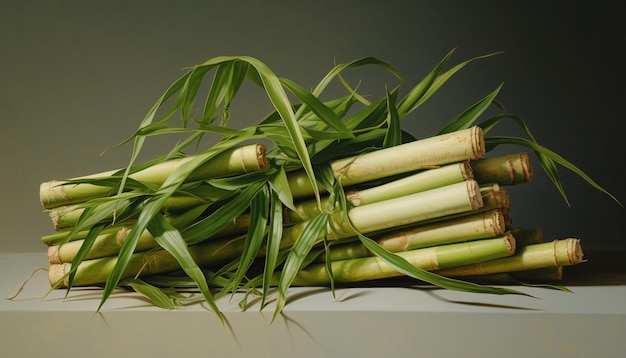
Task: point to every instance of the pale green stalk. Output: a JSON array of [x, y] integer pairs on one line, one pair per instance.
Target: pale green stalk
[[415, 183], [435, 203], [109, 243], [66, 217], [505, 170], [429, 259], [427, 153], [235, 161], [549, 254], [472, 227], [409, 209]]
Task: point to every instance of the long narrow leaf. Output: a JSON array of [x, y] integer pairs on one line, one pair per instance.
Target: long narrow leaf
[[469, 116], [394, 134], [404, 267], [324, 113], [154, 294], [313, 232], [170, 239], [435, 84], [84, 249], [209, 226], [494, 141], [259, 212], [274, 235], [415, 97]]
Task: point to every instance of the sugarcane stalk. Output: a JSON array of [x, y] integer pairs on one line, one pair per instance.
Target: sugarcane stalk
[[426, 153], [231, 162], [564, 252], [493, 197], [410, 209], [65, 217], [415, 183], [109, 243], [505, 170], [429, 259], [472, 227], [435, 203]]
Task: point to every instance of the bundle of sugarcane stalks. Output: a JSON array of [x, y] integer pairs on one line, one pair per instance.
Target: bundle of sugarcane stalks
[[340, 195]]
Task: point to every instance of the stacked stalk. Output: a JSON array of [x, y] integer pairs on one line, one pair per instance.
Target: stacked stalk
[[442, 209]]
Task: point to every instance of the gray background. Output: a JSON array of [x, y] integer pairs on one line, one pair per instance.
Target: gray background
[[77, 77]]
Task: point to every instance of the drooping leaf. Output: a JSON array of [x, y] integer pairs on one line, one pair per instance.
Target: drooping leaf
[[493, 141], [323, 113], [313, 232], [170, 239], [404, 267], [84, 249], [259, 212], [274, 235], [154, 294]]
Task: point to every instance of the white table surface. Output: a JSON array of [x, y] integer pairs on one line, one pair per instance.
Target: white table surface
[[360, 322]]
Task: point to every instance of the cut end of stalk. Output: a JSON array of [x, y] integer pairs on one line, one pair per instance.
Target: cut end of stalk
[[52, 192], [53, 254], [509, 243], [504, 170], [56, 275], [568, 252], [262, 161], [474, 195], [525, 167], [54, 217], [478, 142], [495, 197], [497, 218], [466, 170]]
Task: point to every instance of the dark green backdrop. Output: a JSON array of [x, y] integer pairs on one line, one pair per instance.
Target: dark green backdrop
[[76, 77]]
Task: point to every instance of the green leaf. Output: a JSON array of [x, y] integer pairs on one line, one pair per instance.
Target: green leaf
[[151, 208], [259, 212], [188, 92], [228, 79], [275, 234], [469, 116], [148, 119], [404, 267], [169, 238], [84, 249], [98, 211], [547, 164], [415, 97], [424, 91], [209, 226], [313, 232], [357, 63], [394, 134], [280, 186], [154, 294], [494, 141], [324, 113]]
